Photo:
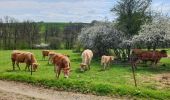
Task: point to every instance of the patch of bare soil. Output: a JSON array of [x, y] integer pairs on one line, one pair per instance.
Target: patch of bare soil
[[10, 90], [163, 79]]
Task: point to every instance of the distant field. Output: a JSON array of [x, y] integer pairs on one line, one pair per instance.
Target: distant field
[[117, 80]]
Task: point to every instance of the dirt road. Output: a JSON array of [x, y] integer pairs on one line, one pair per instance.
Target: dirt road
[[10, 90]]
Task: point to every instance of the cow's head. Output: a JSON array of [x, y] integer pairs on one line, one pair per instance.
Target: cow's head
[[66, 72], [111, 58], [164, 53], [82, 66], [35, 66]]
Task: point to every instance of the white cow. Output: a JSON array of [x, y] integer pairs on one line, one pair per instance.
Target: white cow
[[87, 56]]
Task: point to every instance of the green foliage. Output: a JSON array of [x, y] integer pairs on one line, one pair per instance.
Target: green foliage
[[131, 15], [117, 80]]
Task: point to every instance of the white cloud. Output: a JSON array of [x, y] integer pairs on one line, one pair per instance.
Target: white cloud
[[62, 10]]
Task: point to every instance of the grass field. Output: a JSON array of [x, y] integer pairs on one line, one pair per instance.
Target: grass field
[[117, 80]]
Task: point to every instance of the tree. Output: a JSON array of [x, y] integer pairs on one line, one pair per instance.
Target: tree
[[100, 37], [155, 34], [131, 14], [71, 33]]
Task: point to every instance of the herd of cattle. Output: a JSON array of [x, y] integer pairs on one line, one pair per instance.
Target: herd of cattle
[[62, 62]]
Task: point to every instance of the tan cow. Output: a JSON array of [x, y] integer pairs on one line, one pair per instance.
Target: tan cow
[[87, 56], [24, 57], [61, 62], [106, 60]]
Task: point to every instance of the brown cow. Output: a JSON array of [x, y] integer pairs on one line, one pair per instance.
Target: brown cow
[[24, 57], [106, 60], [52, 54], [87, 56], [153, 56], [61, 63], [45, 53]]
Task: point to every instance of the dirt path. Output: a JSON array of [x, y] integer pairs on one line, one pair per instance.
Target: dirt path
[[10, 90]]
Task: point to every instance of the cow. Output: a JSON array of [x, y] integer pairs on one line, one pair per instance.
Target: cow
[[45, 53], [61, 62], [153, 56], [106, 60], [87, 56], [52, 54], [24, 57]]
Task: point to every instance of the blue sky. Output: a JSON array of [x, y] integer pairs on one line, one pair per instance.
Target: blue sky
[[66, 10]]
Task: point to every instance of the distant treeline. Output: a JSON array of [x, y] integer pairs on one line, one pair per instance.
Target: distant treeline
[[27, 34]]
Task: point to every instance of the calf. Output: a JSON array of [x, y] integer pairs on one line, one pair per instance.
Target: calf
[[61, 62], [87, 56], [24, 57], [106, 60]]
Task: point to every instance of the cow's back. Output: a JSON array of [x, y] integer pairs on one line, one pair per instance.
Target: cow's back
[[88, 54]]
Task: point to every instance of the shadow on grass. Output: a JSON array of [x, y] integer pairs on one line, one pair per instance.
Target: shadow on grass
[[77, 70], [8, 70]]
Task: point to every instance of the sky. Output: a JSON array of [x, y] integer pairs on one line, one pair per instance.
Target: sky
[[66, 10]]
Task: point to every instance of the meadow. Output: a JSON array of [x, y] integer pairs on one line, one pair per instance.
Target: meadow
[[117, 80]]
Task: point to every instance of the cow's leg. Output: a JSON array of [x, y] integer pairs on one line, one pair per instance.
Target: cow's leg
[[89, 64], [108, 65], [49, 59], [102, 64], [58, 72], [17, 63], [26, 67], [13, 65], [156, 61], [104, 67]]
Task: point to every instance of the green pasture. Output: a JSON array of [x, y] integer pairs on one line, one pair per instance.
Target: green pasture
[[117, 80]]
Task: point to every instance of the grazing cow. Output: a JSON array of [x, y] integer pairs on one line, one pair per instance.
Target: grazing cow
[[24, 57], [153, 56], [87, 56], [61, 62], [45, 53], [106, 60]]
